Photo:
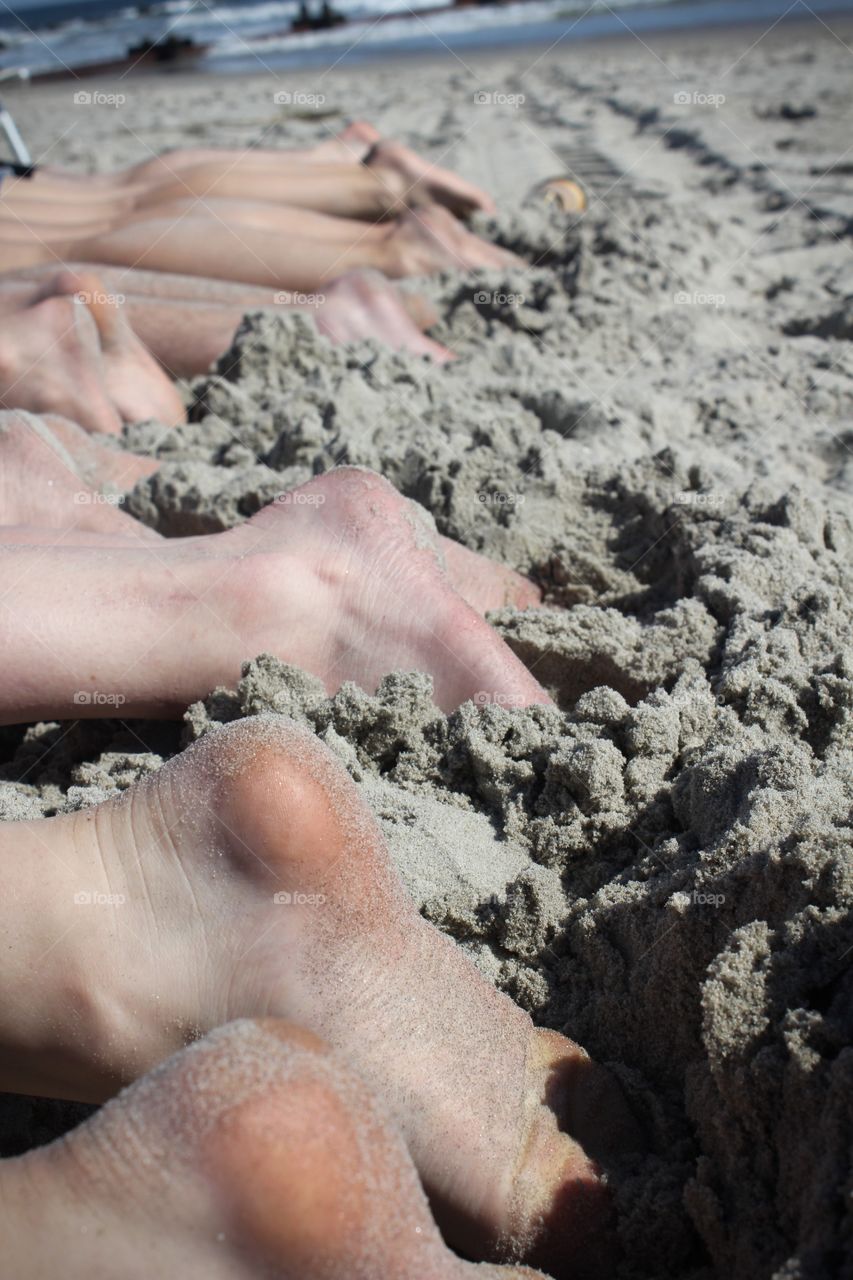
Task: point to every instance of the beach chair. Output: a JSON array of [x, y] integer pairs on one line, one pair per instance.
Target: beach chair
[[7, 123]]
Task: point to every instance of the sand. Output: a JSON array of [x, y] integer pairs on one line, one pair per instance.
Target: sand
[[655, 422]]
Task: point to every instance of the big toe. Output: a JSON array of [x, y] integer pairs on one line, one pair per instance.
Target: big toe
[[307, 1162], [137, 385], [581, 1128], [484, 584]]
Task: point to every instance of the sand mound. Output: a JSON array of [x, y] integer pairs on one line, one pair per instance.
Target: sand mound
[[661, 868]]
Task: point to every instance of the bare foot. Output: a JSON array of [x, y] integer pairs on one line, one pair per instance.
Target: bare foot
[[44, 484], [50, 362], [48, 467], [274, 894], [133, 379], [380, 599], [342, 577], [365, 304], [417, 182], [72, 353], [255, 1152], [428, 240]]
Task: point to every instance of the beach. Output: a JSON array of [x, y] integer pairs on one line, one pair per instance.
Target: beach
[[654, 422]]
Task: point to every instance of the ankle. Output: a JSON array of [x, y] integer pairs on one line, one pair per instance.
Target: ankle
[[269, 601]]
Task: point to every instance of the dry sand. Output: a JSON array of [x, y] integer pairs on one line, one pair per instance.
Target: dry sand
[[659, 430]]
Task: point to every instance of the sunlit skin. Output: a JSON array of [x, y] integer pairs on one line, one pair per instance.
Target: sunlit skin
[[248, 878], [253, 218], [187, 323], [256, 1153], [342, 576], [361, 1060], [70, 350], [53, 477]]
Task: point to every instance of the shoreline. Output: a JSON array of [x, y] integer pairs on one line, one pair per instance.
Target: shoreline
[[683, 41], [665, 25]]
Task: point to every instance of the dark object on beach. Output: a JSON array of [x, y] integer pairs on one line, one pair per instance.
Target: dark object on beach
[[170, 52], [837, 323], [787, 111], [171, 49], [322, 21]]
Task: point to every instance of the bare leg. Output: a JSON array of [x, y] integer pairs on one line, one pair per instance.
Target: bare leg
[[52, 477], [257, 1151], [350, 146], [187, 322], [346, 191], [392, 176], [343, 580], [420, 242], [187, 337], [205, 246]]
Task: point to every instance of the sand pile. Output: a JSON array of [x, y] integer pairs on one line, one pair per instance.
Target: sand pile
[[659, 866]]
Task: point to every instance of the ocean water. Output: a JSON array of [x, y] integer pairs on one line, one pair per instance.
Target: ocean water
[[243, 36]]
